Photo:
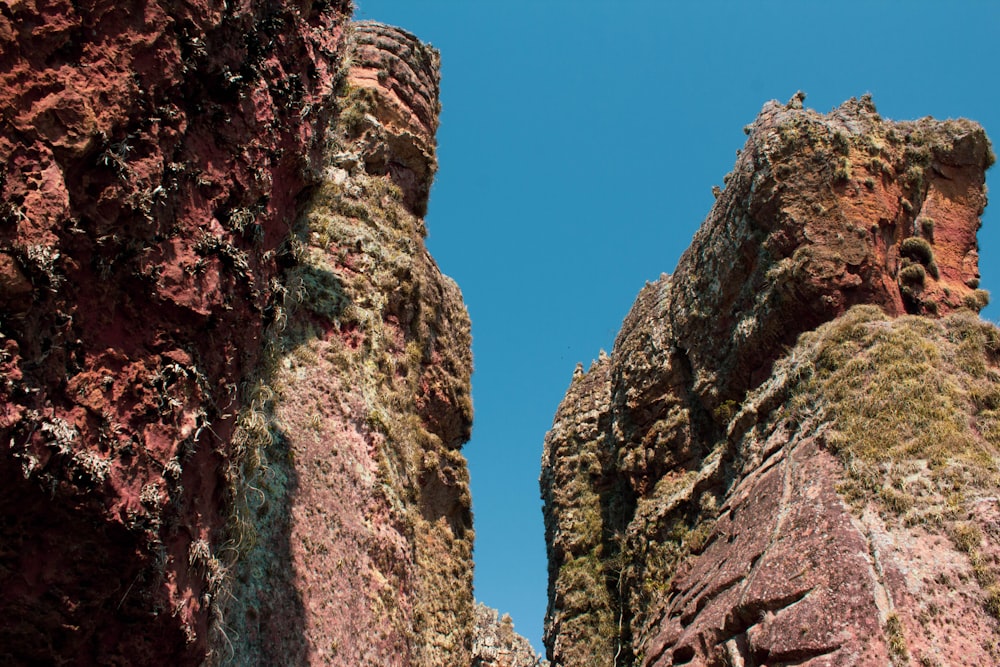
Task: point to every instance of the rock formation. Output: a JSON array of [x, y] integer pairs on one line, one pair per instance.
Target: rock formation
[[790, 456], [364, 402], [235, 384], [495, 643]]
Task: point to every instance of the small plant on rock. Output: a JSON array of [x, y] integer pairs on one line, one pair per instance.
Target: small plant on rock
[[912, 275], [919, 250], [927, 228], [977, 300]]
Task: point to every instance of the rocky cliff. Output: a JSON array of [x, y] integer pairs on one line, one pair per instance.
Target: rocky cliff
[[790, 456], [364, 531], [234, 383]]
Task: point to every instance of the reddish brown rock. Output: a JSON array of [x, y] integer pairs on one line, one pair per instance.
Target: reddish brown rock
[[181, 225], [394, 88], [824, 553], [365, 549], [727, 497], [822, 212]]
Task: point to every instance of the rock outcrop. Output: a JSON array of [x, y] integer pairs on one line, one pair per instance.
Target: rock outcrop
[[234, 383], [495, 643], [364, 403], [790, 456]]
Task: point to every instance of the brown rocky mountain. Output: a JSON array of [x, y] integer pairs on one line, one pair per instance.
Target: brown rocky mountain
[[790, 456]]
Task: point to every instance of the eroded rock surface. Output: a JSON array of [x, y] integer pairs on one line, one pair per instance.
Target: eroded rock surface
[[367, 401], [725, 490], [234, 383], [496, 644], [152, 156]]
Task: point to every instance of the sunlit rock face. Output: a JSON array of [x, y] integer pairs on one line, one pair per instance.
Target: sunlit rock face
[[795, 433], [495, 644], [235, 384], [367, 393]]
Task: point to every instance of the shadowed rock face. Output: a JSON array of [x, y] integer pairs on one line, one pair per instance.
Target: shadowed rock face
[[234, 383], [717, 493], [151, 158]]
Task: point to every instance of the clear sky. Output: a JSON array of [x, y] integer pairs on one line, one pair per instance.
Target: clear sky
[[578, 147]]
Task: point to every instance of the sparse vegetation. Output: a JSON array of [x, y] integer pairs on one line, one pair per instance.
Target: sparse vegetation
[[896, 640], [977, 300], [842, 172], [360, 300], [993, 600], [841, 143], [357, 103], [914, 412], [966, 536]]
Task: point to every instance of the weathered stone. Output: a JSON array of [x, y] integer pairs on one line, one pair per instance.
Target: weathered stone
[[367, 493], [495, 643], [753, 501], [233, 383], [151, 157]]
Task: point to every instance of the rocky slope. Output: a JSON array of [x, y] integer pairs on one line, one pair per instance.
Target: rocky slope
[[234, 383], [790, 456]]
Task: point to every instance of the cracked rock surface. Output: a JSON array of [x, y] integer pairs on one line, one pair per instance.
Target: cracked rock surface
[[234, 385], [790, 456]]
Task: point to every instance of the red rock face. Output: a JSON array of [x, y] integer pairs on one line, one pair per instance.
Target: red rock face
[[785, 577], [235, 383], [806, 563], [152, 158], [718, 508], [815, 218], [363, 519]]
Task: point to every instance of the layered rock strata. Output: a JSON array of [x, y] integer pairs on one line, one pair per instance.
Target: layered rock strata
[[234, 383], [729, 488]]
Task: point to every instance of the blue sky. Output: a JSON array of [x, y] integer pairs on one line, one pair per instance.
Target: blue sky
[[578, 147]]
